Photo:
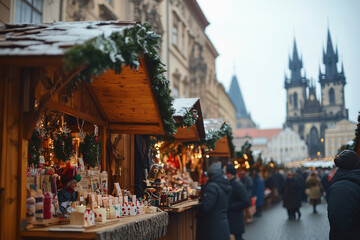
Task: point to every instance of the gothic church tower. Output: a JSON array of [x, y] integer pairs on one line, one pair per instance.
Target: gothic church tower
[[305, 113]]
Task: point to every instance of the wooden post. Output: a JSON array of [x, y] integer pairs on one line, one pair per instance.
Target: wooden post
[[11, 157]]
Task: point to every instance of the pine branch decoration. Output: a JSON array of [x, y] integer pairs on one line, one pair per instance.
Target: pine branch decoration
[[90, 149]]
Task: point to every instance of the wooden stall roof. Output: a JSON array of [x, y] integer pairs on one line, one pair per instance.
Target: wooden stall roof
[[222, 147], [182, 107], [125, 101]]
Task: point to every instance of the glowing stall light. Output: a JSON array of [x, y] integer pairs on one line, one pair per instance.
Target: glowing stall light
[[247, 165], [207, 156], [245, 156], [272, 165], [236, 162], [237, 166]]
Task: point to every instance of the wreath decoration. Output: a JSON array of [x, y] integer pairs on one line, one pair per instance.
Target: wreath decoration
[[90, 149], [34, 148], [63, 146]]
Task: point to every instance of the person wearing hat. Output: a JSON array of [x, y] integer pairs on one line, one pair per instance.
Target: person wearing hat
[[212, 215], [344, 198], [69, 179], [239, 200]]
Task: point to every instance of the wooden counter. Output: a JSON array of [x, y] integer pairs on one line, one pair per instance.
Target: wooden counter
[[147, 226], [182, 221]]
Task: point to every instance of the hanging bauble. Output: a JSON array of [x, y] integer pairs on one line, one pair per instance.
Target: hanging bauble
[[90, 148], [34, 148], [63, 146]]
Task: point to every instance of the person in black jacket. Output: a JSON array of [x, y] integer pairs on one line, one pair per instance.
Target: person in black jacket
[[212, 221], [344, 198], [239, 200], [291, 195]]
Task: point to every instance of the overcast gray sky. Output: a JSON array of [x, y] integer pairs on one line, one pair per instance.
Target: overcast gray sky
[[257, 35]]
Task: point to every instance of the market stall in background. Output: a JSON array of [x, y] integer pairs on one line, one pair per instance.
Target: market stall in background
[[178, 157], [74, 96]]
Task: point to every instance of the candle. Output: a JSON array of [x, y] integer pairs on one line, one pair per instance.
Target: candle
[[80, 208]]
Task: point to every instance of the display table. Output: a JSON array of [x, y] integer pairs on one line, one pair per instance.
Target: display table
[[182, 221], [141, 227]]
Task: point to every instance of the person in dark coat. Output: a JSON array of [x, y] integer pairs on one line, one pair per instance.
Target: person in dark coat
[[258, 192], [291, 196], [239, 200], [344, 198], [213, 221]]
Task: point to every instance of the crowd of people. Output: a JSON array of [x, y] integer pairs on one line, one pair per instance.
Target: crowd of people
[[226, 197]]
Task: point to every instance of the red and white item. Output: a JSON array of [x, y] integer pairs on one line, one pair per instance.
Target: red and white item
[[47, 205], [125, 210], [132, 209], [85, 219], [115, 211], [100, 214]]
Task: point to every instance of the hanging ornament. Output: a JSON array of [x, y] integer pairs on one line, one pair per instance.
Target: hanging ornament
[[90, 148], [63, 143], [34, 148], [81, 133]]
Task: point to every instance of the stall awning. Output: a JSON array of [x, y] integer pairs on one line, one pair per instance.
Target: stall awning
[[222, 147], [126, 102], [183, 107]]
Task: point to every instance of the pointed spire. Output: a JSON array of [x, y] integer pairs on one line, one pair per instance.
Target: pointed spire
[[329, 47], [320, 73], [330, 58], [237, 98], [342, 68], [295, 53]]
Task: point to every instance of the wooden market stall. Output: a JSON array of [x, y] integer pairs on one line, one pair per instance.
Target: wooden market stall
[[105, 84], [223, 145], [182, 216]]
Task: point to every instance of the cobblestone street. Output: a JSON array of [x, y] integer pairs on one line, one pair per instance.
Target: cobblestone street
[[274, 225]]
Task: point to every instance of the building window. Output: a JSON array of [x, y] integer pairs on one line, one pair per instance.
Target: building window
[[175, 34], [295, 101], [183, 42], [332, 96], [29, 11]]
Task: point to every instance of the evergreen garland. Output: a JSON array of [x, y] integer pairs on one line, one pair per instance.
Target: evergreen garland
[[120, 49], [356, 144], [90, 148], [213, 136], [63, 146], [34, 148], [188, 120]]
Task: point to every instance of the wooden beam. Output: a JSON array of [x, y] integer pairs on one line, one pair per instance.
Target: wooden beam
[[96, 101], [132, 162], [54, 106], [136, 128], [59, 84], [31, 61]]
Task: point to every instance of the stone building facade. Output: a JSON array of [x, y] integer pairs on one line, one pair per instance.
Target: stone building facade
[[305, 113], [336, 136], [287, 147]]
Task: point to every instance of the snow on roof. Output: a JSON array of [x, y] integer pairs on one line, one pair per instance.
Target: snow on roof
[[183, 106], [53, 38], [213, 124]]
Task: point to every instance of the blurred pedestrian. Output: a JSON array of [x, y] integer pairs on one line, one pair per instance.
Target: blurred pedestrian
[[315, 191], [212, 221], [344, 198], [291, 196], [248, 184], [239, 200], [258, 192]]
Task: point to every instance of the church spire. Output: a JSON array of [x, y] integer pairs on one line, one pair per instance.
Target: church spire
[[330, 58], [295, 66], [237, 98]]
